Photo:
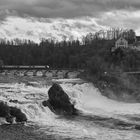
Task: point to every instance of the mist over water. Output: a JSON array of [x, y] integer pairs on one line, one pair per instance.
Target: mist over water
[[100, 118]]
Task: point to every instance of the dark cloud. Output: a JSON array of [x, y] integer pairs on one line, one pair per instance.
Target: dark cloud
[[66, 8]]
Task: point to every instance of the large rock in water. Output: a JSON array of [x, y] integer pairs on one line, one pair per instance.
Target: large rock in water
[[59, 101], [9, 113]]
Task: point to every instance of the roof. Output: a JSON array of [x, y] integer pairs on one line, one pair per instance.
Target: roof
[[121, 39], [130, 41]]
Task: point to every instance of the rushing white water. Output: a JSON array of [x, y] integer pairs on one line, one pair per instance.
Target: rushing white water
[[86, 98]]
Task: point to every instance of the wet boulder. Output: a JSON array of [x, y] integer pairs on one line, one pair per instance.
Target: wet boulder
[[4, 110], [59, 101], [9, 113], [10, 119], [45, 103], [18, 114]]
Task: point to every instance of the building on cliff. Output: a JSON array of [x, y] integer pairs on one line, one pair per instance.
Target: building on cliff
[[125, 44]]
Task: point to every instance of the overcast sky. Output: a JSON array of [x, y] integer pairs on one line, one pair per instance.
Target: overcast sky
[[111, 13], [67, 8]]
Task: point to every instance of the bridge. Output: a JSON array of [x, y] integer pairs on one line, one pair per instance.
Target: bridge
[[44, 71]]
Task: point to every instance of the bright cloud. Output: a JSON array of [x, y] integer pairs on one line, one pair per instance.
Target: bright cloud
[[122, 19], [58, 29]]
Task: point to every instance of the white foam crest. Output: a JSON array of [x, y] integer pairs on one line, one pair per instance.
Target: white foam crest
[[85, 96], [89, 99], [27, 98], [38, 114]]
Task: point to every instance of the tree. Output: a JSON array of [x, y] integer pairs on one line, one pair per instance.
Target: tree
[[1, 63]]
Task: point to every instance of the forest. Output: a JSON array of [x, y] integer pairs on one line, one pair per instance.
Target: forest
[[71, 54]]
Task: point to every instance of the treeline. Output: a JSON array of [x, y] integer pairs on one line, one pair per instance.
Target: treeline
[[93, 53], [57, 55]]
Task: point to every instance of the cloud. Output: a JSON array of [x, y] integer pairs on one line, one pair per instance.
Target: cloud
[[67, 8], [121, 18], [35, 29]]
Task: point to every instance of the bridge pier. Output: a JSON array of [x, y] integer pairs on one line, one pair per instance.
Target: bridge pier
[[54, 73], [6, 72], [25, 73], [49, 74], [66, 74], [73, 74], [35, 73], [62, 74], [44, 73], [16, 72]]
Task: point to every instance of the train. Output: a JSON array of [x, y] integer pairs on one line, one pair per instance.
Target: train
[[24, 67]]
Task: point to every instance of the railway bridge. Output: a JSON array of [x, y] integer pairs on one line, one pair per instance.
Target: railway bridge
[[44, 71]]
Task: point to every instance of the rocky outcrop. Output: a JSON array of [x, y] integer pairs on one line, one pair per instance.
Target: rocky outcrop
[[9, 113], [18, 114], [59, 101], [4, 110]]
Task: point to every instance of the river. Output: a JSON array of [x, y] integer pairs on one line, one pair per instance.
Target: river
[[101, 118]]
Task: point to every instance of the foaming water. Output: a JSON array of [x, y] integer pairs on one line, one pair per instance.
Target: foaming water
[[100, 117], [92, 100]]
